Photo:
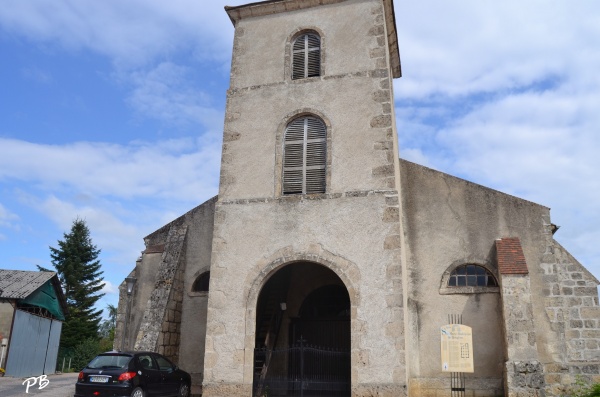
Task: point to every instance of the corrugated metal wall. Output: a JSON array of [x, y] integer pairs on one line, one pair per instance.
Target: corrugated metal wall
[[53, 344], [33, 346]]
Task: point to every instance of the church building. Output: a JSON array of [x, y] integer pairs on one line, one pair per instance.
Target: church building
[[328, 266]]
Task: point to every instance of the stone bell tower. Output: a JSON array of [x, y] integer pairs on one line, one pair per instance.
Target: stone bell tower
[[309, 183]]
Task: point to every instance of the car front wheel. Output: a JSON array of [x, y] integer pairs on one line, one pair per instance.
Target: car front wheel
[[138, 392], [184, 390]]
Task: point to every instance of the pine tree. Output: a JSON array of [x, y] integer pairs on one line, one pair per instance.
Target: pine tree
[[76, 262]]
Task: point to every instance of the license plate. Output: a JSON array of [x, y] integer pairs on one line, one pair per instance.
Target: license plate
[[99, 379]]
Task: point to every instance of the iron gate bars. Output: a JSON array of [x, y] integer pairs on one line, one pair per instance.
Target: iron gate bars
[[303, 371], [457, 379]]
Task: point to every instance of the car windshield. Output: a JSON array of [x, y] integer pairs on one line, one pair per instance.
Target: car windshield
[[112, 361]]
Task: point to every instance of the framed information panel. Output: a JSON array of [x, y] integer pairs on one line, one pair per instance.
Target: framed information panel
[[457, 348]]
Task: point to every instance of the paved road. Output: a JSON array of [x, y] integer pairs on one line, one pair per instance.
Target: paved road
[[62, 385]]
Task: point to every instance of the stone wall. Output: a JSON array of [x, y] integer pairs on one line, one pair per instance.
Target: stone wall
[[159, 330], [346, 234], [353, 228], [571, 305], [450, 222], [524, 374], [441, 386], [448, 218], [364, 154], [170, 336]]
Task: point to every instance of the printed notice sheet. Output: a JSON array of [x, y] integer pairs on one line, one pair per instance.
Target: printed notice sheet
[[457, 348]]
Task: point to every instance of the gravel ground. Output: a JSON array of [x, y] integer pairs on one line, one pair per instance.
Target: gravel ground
[[62, 385]]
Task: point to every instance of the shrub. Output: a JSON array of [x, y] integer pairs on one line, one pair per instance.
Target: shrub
[[582, 388], [84, 352]]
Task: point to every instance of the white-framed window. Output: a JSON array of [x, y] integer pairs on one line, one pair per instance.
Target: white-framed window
[[471, 276], [304, 156], [306, 56]]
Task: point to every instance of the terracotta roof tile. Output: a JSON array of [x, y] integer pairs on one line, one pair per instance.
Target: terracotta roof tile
[[511, 259]]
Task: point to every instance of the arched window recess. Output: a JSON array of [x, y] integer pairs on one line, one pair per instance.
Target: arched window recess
[[469, 278], [200, 286]]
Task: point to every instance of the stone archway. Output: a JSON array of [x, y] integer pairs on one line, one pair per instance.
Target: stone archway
[[302, 333]]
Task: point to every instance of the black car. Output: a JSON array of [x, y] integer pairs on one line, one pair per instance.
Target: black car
[[135, 374]]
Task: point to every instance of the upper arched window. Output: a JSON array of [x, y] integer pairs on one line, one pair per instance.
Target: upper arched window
[[304, 156], [201, 283], [306, 56], [471, 276]]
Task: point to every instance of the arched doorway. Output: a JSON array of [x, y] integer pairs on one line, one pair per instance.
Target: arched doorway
[[302, 334]]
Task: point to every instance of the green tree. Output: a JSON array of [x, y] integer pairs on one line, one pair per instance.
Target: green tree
[[112, 315], [106, 330], [76, 262], [110, 323]]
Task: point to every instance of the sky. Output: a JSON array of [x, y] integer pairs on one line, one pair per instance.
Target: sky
[[112, 112]]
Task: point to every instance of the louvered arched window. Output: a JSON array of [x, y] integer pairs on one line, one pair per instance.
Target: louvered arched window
[[304, 156], [306, 56]]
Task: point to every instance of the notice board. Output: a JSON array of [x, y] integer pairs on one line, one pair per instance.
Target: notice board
[[457, 348]]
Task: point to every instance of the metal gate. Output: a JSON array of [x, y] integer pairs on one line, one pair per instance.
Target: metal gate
[[53, 345], [303, 371], [33, 345]]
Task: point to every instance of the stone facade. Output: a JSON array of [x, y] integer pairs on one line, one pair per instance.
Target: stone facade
[[389, 234], [570, 301]]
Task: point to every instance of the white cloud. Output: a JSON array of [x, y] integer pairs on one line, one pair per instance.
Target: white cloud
[[477, 47], [507, 94], [179, 169], [123, 192], [6, 217], [165, 93], [141, 38], [130, 33], [114, 232], [109, 288]]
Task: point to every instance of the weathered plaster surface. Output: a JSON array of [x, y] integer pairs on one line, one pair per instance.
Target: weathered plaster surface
[[346, 234], [449, 221]]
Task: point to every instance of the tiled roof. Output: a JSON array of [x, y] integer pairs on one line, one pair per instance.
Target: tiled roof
[[511, 259], [19, 284]]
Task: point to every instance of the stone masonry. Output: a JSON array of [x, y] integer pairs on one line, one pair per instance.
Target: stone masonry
[[524, 375], [160, 326], [571, 304]]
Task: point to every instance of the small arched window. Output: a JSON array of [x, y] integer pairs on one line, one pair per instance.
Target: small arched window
[[304, 156], [201, 283], [471, 276], [306, 56]]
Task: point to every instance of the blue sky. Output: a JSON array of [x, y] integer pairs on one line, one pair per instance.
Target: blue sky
[[112, 112]]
